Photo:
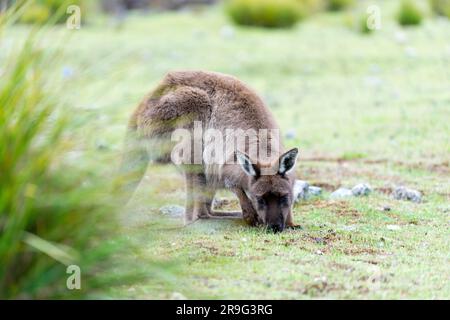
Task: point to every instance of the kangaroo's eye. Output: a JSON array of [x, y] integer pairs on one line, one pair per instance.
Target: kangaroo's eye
[[261, 202], [284, 200]]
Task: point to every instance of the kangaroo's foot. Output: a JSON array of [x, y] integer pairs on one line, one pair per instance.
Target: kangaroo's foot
[[226, 215], [199, 211], [293, 226], [191, 215], [290, 222]]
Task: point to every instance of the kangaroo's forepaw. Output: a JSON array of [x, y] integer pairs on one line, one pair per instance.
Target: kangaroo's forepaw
[[294, 226]]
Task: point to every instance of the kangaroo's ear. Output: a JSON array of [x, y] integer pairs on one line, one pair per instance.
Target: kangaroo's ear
[[287, 161], [247, 165]]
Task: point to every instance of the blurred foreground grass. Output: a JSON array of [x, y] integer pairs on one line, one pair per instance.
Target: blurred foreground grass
[[54, 212]]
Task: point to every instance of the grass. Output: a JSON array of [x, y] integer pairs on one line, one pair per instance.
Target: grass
[[372, 109], [409, 13], [48, 214]]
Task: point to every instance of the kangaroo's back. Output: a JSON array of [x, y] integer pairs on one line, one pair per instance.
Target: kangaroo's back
[[233, 103]]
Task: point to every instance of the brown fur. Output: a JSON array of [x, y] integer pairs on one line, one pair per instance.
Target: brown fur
[[221, 102]]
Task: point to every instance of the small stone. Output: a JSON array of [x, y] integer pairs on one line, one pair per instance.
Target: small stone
[[314, 191], [362, 189], [445, 210], [349, 228], [300, 190], [67, 72], [173, 211], [291, 134], [220, 203], [175, 55], [386, 208], [178, 296], [198, 34], [227, 32], [400, 37], [375, 69], [322, 279], [403, 193], [373, 81], [341, 193], [101, 145], [410, 52]]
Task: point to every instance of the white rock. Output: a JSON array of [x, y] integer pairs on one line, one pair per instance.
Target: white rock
[[291, 134], [341, 193], [303, 191], [227, 32], [411, 52], [173, 211], [321, 279], [403, 193], [362, 189], [67, 72], [314, 191], [373, 81], [349, 228], [178, 296], [300, 190], [400, 37]]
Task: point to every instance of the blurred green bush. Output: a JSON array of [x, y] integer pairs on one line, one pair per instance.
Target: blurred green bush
[[265, 13], [362, 25], [337, 5], [40, 11], [357, 21], [441, 7], [409, 13], [312, 6], [36, 13], [51, 214]]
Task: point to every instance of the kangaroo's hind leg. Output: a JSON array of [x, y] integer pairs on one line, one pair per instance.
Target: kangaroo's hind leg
[[198, 196], [189, 216], [201, 197]]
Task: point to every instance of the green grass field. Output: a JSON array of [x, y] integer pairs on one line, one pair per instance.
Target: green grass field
[[365, 108]]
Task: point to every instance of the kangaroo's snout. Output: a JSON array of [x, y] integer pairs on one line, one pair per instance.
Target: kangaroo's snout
[[275, 228]]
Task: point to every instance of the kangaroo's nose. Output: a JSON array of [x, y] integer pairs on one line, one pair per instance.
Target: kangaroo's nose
[[275, 228]]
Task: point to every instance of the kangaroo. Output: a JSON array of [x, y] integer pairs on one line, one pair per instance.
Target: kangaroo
[[185, 100]]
